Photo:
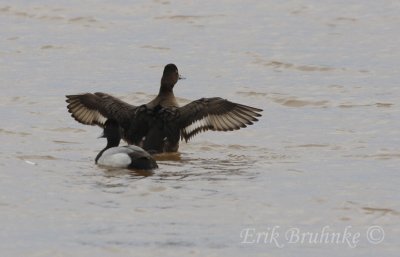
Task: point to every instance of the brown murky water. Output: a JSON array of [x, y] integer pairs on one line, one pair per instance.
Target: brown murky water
[[325, 153]]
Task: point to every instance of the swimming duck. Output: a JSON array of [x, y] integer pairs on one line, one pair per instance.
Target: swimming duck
[[115, 156], [160, 124]]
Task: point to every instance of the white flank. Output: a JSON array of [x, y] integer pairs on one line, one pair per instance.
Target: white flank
[[115, 160]]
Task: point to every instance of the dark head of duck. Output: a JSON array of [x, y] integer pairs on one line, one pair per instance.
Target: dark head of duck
[[169, 78], [113, 135]]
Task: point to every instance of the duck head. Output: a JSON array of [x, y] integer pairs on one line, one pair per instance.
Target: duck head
[[170, 77], [112, 133]]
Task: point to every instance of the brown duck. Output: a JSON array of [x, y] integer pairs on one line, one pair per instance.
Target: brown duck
[[159, 125]]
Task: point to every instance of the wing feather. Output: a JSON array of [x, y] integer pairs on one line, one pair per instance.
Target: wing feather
[[95, 109], [214, 114]]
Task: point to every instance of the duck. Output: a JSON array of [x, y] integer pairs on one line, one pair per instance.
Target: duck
[[159, 125], [115, 156]]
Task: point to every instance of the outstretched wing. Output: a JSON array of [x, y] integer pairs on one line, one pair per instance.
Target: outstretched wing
[[95, 109], [214, 114]]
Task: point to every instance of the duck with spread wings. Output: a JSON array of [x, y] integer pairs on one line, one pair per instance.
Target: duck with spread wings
[[159, 125]]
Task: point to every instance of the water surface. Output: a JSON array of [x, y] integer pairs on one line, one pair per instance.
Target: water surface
[[325, 153]]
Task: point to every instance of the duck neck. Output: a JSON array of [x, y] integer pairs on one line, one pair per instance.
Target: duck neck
[[100, 154], [166, 89], [111, 142]]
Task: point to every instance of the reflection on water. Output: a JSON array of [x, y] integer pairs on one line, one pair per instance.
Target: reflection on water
[[114, 172], [325, 153]]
